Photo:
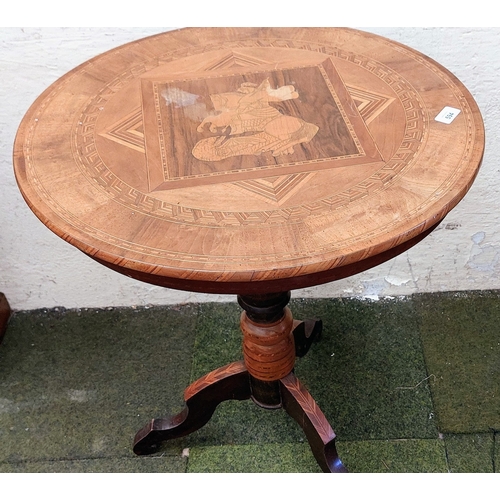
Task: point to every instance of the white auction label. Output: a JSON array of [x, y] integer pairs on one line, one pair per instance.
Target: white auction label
[[447, 115]]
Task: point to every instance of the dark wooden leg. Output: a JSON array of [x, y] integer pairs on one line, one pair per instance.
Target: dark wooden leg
[[202, 397], [4, 315], [300, 405], [271, 342], [305, 333]]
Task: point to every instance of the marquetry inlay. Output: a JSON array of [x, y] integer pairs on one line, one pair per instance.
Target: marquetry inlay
[[248, 154]]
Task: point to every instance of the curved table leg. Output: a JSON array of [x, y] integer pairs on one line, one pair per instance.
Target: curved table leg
[[201, 398], [300, 405], [271, 341], [305, 333]]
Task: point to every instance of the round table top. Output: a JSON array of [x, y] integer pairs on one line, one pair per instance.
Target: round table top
[[249, 160]]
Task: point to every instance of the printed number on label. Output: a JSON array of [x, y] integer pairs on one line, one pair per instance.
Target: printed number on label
[[447, 115]]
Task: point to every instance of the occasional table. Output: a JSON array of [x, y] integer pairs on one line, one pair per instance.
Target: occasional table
[[253, 162]]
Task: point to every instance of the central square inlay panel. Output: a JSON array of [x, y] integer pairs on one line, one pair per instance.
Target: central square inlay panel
[[213, 128]]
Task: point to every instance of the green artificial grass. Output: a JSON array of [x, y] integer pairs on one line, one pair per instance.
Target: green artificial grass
[[264, 458], [394, 456], [367, 372], [117, 465], [470, 452], [80, 384], [385, 456], [408, 385], [461, 341]]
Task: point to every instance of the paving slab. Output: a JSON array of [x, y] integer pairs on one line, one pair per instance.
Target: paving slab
[[367, 372], [394, 456], [99, 465], [80, 384], [461, 341], [390, 456], [469, 453]]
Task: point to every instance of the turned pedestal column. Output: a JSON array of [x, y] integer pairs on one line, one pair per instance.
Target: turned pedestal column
[[271, 342]]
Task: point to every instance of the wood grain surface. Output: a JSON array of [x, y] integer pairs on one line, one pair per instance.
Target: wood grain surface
[[248, 160]]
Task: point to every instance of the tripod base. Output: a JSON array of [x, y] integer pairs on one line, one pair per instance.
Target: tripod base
[[234, 382], [271, 342]]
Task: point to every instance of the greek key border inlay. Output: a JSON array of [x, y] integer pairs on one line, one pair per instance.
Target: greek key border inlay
[[90, 163]]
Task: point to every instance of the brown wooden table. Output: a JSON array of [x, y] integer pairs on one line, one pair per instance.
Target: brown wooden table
[[250, 162]]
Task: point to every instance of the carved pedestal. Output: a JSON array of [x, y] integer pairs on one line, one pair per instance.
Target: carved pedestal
[[271, 341]]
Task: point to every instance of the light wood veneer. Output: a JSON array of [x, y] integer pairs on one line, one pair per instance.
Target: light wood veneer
[[248, 160]]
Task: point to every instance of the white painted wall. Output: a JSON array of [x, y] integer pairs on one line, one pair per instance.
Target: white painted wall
[[37, 269]]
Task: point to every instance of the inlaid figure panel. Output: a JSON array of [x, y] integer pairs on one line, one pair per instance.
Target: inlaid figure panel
[[259, 126], [216, 128]]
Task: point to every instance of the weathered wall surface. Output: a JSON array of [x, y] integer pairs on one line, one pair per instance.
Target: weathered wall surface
[[37, 269]]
